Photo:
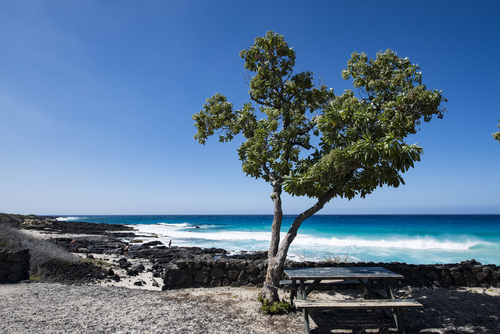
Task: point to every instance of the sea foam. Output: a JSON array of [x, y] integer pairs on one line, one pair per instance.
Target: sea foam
[[185, 232], [72, 218]]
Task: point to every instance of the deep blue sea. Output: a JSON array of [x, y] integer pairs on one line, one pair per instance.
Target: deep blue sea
[[416, 239]]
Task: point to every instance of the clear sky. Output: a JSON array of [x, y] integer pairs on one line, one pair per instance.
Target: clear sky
[[96, 99]]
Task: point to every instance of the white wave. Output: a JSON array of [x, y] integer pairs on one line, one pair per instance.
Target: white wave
[[181, 231], [181, 225], [419, 243], [188, 232], [184, 225], [70, 218]]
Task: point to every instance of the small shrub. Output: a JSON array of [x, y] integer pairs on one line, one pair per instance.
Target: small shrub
[[50, 271], [41, 250], [36, 276], [97, 262], [279, 307], [335, 258], [326, 257], [3, 242]]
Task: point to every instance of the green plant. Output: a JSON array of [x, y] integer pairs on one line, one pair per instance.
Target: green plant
[[3, 242], [279, 307], [97, 262], [326, 257], [335, 258], [496, 135], [51, 269], [36, 276]]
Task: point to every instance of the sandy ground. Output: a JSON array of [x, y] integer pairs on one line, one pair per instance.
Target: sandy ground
[[60, 308], [122, 307]]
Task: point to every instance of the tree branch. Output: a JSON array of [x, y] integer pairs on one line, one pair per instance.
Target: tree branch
[[307, 147], [292, 232]]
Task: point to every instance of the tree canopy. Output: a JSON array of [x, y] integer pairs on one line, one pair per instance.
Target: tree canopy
[[274, 141], [305, 140], [361, 142], [496, 135]]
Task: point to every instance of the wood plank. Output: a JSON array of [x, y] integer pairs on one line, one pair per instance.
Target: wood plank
[[324, 282], [356, 304], [341, 273]]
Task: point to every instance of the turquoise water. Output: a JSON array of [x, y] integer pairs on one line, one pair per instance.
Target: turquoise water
[[417, 239]]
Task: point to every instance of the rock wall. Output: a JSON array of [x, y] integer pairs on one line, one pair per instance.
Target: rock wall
[[14, 265], [234, 272], [214, 273]]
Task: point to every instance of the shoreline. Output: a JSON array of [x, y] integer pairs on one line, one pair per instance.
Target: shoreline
[[297, 256], [367, 238], [153, 265], [107, 242]]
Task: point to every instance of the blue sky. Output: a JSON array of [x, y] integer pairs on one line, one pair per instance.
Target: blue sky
[[96, 99]]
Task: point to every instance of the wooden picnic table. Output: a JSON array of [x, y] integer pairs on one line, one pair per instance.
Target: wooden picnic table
[[365, 276]]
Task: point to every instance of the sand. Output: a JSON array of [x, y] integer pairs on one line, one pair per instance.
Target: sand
[[61, 308]]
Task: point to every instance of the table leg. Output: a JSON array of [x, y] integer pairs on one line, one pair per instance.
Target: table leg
[[388, 290], [306, 322], [302, 291], [293, 291], [399, 319], [303, 295], [397, 313], [367, 288], [312, 287]]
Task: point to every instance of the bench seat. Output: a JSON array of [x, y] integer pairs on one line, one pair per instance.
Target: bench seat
[[355, 304]]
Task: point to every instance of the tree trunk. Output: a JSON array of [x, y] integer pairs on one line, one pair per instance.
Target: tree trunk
[[277, 219], [270, 289], [276, 259]]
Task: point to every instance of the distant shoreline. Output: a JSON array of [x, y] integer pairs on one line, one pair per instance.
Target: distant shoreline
[[271, 215], [379, 238], [418, 239]]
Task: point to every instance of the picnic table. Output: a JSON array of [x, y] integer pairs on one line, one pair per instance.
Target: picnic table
[[305, 280]]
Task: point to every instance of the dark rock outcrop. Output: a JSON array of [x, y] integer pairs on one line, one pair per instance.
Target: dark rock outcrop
[[14, 265]]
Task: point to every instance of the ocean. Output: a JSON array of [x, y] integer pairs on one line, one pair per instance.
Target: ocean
[[414, 239]]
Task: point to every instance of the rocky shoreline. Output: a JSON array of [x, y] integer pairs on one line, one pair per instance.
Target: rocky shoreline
[[181, 267], [112, 238], [107, 242]]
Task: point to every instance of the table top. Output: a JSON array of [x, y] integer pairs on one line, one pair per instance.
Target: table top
[[341, 273]]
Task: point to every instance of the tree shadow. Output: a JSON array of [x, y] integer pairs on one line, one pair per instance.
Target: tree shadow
[[445, 311], [465, 310], [352, 321]]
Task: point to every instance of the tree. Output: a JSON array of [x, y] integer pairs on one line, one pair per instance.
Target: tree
[[360, 140], [496, 135]]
